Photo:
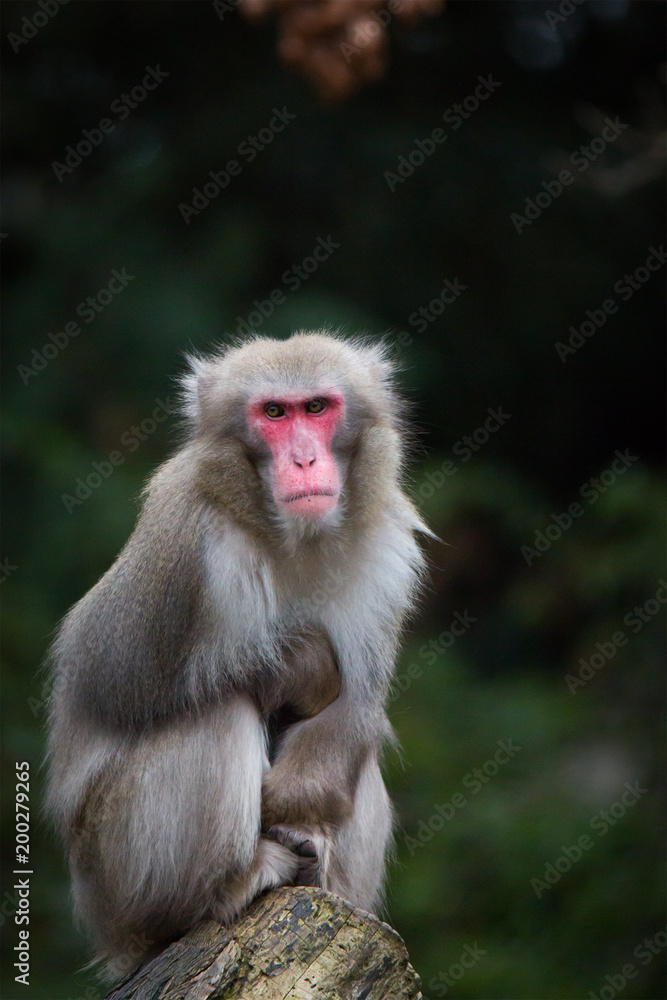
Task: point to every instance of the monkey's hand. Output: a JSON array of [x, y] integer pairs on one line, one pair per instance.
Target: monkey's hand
[[309, 845]]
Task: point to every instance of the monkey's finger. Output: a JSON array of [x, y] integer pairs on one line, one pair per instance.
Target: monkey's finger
[[306, 849], [297, 839], [307, 873]]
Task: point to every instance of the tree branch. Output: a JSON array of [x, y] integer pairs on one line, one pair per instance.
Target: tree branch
[[292, 944]]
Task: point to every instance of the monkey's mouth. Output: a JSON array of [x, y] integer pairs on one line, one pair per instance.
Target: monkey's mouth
[[311, 504], [309, 493]]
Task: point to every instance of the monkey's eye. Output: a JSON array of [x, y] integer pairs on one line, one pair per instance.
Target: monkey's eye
[[274, 410], [315, 406]]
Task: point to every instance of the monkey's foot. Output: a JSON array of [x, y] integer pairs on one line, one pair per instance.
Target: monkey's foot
[[301, 841]]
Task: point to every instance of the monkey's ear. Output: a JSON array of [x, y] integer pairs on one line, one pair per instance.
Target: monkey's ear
[[378, 358], [384, 363], [196, 383]]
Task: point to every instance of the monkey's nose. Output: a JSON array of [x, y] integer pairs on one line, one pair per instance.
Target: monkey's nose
[[304, 463]]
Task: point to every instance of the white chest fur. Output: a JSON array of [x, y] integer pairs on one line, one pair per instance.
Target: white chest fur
[[356, 594]]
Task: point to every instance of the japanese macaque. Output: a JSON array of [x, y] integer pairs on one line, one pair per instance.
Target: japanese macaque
[[217, 715]]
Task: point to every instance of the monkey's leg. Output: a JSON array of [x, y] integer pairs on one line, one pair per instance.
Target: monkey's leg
[[169, 833], [349, 859], [324, 790], [354, 864]]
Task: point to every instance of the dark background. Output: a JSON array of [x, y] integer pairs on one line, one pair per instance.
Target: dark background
[[462, 881]]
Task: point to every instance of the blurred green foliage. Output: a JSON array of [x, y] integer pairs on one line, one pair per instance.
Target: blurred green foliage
[[463, 874]]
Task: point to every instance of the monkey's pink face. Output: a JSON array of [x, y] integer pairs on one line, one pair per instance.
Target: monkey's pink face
[[298, 431]]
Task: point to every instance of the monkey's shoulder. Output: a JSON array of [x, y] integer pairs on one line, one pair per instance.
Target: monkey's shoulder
[[125, 645]]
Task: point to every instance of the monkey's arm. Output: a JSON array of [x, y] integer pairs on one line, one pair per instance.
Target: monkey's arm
[[314, 776], [310, 679], [125, 651]]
